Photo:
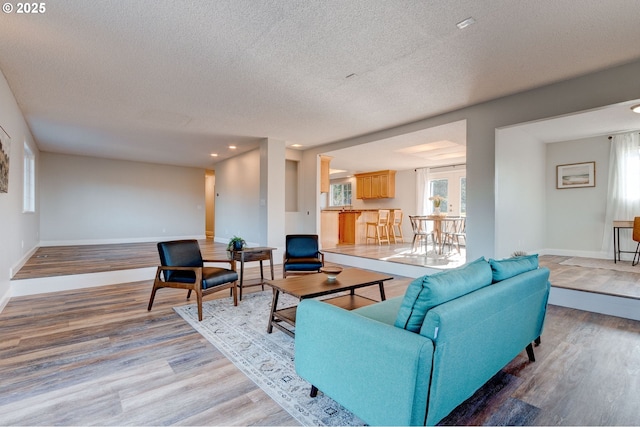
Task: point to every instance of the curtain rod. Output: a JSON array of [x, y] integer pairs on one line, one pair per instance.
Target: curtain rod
[[441, 167], [610, 137]]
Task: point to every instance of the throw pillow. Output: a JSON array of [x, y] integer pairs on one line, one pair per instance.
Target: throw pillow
[[429, 291], [509, 267]]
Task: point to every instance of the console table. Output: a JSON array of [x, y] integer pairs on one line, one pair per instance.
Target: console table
[[617, 225], [253, 254]]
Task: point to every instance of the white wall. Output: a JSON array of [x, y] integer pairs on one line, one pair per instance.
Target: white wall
[[575, 217], [238, 198], [87, 200], [520, 173], [294, 220], [19, 232]]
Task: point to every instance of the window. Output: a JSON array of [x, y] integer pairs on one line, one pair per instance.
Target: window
[[29, 181], [440, 187], [340, 195]]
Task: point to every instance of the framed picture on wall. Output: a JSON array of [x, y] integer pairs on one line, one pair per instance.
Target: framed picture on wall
[[5, 145], [576, 175]]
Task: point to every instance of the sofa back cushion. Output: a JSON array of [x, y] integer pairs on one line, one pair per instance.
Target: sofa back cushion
[[506, 268], [429, 291]]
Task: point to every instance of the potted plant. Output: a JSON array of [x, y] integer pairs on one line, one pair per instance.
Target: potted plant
[[236, 244], [437, 200]]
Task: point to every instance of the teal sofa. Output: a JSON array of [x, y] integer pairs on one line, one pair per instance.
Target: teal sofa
[[411, 360]]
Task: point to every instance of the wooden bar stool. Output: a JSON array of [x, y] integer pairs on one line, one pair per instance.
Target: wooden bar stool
[[395, 226], [380, 228]]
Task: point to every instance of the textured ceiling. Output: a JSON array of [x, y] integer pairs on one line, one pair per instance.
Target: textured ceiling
[[173, 81]]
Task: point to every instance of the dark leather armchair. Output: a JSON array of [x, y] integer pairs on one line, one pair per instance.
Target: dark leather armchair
[[302, 254], [182, 267]]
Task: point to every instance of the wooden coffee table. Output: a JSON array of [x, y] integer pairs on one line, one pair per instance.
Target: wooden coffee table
[[316, 285]]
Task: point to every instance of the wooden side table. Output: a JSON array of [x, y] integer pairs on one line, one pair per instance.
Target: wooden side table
[[253, 254]]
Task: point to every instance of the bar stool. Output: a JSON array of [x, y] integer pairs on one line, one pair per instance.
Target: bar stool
[[380, 228], [395, 227]]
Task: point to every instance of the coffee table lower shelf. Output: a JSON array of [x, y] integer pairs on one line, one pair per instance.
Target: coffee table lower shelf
[[347, 302]]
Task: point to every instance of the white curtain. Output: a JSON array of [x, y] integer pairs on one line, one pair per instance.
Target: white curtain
[[623, 196], [422, 186]]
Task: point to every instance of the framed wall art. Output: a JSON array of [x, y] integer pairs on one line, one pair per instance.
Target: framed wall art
[[5, 147], [576, 175]]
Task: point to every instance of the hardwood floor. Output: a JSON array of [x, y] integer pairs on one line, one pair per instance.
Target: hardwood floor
[[66, 260], [51, 261], [97, 357]]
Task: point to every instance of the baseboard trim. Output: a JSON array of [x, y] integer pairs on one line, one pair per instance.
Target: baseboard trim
[[397, 268], [628, 308], [5, 299], [49, 243], [22, 261], [24, 287]]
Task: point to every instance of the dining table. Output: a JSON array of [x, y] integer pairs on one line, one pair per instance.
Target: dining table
[[439, 222]]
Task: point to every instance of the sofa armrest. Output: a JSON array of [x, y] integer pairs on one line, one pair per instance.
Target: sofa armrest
[[379, 372], [477, 334]]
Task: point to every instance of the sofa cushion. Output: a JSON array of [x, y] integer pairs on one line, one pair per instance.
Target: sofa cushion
[[383, 311], [429, 291], [509, 267]]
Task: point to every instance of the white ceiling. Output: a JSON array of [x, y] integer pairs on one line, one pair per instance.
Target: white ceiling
[[171, 82]]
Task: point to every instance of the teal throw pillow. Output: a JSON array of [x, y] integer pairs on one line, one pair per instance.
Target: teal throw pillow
[[429, 291], [509, 267]]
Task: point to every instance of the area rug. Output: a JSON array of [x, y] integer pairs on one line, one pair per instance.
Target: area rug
[[240, 333], [602, 263]]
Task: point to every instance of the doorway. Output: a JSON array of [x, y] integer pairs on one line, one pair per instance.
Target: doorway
[[209, 202]]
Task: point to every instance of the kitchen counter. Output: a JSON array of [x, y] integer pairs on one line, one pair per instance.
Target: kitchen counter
[[345, 226]]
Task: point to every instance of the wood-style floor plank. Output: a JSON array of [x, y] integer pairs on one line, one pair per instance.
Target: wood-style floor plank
[[97, 357], [68, 260]]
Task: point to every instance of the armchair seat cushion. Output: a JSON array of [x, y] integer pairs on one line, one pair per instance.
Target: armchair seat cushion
[[215, 276], [303, 264]]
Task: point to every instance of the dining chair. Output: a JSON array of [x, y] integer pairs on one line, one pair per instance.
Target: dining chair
[[636, 238], [454, 230], [182, 267], [380, 228], [420, 233], [395, 226]]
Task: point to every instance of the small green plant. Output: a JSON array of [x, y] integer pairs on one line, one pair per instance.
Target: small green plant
[[437, 199], [236, 243]]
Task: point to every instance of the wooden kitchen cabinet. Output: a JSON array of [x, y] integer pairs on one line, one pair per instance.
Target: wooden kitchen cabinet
[[347, 227], [376, 185]]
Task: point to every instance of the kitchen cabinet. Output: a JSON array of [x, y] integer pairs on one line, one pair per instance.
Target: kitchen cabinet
[[329, 229], [347, 227], [376, 185]]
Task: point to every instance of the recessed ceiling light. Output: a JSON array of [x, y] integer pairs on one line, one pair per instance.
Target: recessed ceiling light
[[296, 145], [214, 154], [232, 147], [636, 108], [467, 22]]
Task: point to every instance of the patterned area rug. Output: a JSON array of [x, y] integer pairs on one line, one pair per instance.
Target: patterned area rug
[[602, 263], [240, 333]]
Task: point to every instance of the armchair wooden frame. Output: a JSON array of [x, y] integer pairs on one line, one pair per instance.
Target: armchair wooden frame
[[196, 286]]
